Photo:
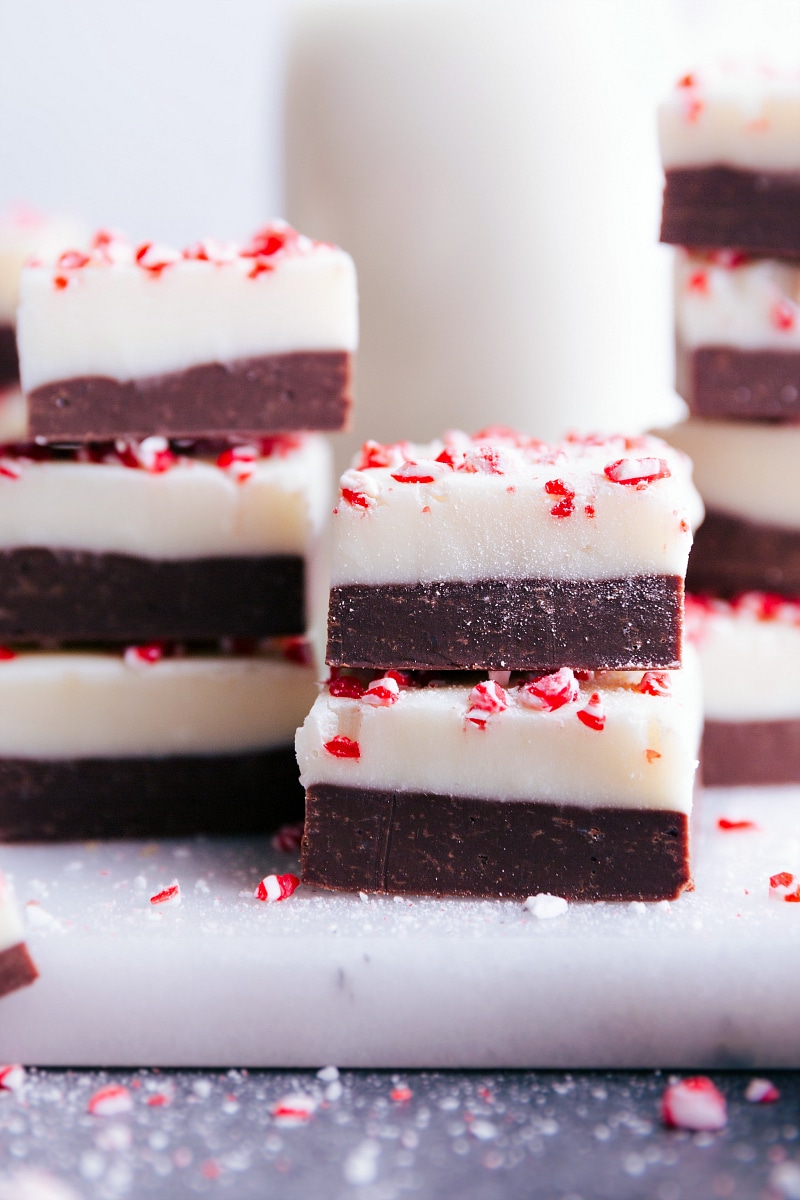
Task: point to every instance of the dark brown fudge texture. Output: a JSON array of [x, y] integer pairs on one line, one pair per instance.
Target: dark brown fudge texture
[[526, 625], [420, 843], [17, 969], [731, 555], [750, 752], [176, 796], [752, 385], [9, 364], [74, 595], [733, 208], [279, 393]]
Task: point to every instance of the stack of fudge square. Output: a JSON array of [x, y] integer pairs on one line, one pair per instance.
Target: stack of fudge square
[[162, 501], [509, 710], [730, 144]]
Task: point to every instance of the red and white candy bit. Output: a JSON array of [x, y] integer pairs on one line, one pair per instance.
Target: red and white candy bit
[[346, 686], [694, 1104], [343, 747], [144, 656], [566, 505], [168, 895], [637, 472], [213, 251], [401, 1094], [12, 1077], [239, 461], [784, 886], [761, 1091], [485, 699], [276, 887], [289, 838], [110, 1101], [382, 693], [155, 455], [294, 1109], [551, 692], [654, 683], [7, 653], [72, 260], [155, 257], [592, 715], [358, 489], [424, 471], [9, 469], [783, 316]]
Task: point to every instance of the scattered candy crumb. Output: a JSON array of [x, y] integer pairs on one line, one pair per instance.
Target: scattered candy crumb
[[273, 888], [694, 1103], [545, 907]]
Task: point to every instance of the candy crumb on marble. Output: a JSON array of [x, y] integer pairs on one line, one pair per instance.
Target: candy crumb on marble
[[545, 906], [784, 886], [294, 1109], [168, 895], [12, 1077], [276, 887], [761, 1091], [110, 1101], [694, 1103]]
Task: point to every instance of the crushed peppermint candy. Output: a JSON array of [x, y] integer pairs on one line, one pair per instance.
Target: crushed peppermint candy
[[110, 1101], [784, 886], [273, 888], [141, 657], [654, 683], [550, 692], [168, 895], [592, 715], [694, 1104], [486, 698], [637, 472], [761, 1091], [295, 1109], [545, 907], [729, 826], [12, 1077], [343, 747], [382, 693], [289, 838]]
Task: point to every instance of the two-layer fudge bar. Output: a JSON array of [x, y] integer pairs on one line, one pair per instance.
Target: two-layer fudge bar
[[139, 541], [747, 475], [155, 740], [16, 965], [749, 651], [571, 783], [218, 340], [499, 551], [730, 146]]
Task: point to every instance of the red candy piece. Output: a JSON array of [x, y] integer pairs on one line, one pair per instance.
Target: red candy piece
[[72, 260], [168, 895], [551, 692], [12, 1077], [783, 316], [142, 656], [695, 1104], [401, 1095], [698, 282], [276, 887], [152, 257], [382, 693], [359, 499], [485, 698], [592, 714], [654, 683], [726, 825], [110, 1101], [346, 686], [343, 747], [6, 653], [289, 838], [415, 472], [637, 471], [761, 1091]]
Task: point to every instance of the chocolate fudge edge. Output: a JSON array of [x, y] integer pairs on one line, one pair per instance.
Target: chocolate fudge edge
[[750, 753], [726, 382], [731, 555], [9, 363], [17, 968], [733, 208]]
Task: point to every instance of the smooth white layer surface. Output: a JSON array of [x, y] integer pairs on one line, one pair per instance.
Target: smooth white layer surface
[[744, 468], [24, 233], [737, 116], [11, 928], [423, 743], [750, 663], [751, 305], [193, 510], [125, 322], [473, 525], [13, 416], [57, 705]]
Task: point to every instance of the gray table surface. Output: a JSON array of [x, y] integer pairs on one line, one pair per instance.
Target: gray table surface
[[519, 1135]]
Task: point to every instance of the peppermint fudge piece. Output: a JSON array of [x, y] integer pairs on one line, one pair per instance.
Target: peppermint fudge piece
[[133, 541], [157, 740], [499, 551], [17, 969], [216, 340], [748, 478], [24, 233], [749, 651], [578, 787], [730, 146]]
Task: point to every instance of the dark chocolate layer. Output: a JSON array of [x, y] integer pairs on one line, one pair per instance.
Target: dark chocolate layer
[[278, 393], [71, 799], [17, 969], [420, 843], [731, 555], [750, 752], [721, 381], [526, 625], [74, 595], [717, 206], [9, 363]]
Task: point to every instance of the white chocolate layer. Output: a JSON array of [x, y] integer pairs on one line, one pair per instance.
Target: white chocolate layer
[[423, 743], [194, 509], [121, 320], [57, 705], [720, 301], [24, 233], [470, 525], [11, 928], [734, 116], [749, 657], [13, 416], [744, 469]]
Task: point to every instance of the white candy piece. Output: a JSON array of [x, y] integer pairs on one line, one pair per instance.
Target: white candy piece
[[23, 234], [490, 516], [721, 300], [735, 115], [56, 705], [546, 907], [644, 756], [131, 314]]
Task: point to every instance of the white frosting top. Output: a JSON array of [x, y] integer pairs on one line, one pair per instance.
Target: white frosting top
[[724, 299], [182, 507], [23, 233], [640, 750], [746, 469], [71, 704], [11, 929], [505, 506], [131, 312], [749, 652], [733, 115]]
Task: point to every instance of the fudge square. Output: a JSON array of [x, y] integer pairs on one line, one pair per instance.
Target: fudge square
[[730, 147], [216, 340], [135, 541], [16, 966], [578, 786], [499, 551]]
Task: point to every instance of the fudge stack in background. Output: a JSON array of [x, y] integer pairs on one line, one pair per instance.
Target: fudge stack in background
[[506, 712], [730, 144], [160, 524]]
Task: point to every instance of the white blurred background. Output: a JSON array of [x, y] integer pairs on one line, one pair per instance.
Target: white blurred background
[[491, 164]]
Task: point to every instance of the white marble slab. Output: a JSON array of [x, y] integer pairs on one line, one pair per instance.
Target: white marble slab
[[711, 980]]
